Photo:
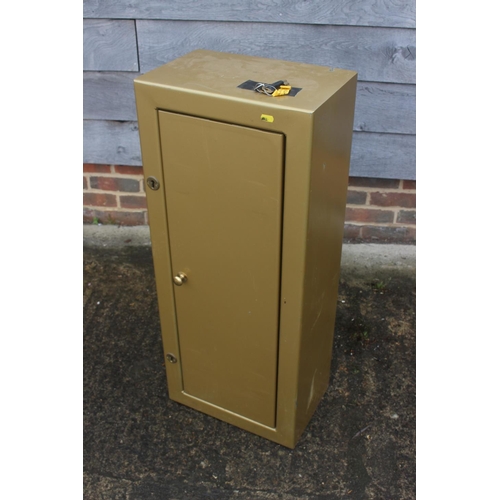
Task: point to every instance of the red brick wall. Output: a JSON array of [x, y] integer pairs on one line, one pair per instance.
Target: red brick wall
[[381, 210], [114, 194], [377, 209]]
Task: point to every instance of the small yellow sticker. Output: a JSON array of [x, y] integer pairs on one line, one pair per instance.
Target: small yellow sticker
[[267, 118]]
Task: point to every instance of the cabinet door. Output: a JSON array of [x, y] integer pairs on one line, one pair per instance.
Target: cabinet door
[[224, 188]]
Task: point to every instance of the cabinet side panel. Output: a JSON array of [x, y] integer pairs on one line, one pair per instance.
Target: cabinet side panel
[[332, 137]]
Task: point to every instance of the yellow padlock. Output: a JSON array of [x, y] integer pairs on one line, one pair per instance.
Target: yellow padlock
[[281, 91]]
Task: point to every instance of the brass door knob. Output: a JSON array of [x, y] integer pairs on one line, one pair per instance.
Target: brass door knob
[[180, 278]]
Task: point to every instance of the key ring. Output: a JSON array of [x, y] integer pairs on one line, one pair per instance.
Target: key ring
[[269, 88]]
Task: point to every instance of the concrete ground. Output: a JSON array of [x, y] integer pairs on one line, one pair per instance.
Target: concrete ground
[[138, 444]]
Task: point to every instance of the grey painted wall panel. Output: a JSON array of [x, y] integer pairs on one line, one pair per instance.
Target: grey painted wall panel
[[378, 54], [380, 107], [389, 156], [109, 96], [109, 45], [391, 13], [385, 107], [116, 143]]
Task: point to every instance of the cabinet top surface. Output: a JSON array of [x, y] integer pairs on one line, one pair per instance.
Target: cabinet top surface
[[219, 74]]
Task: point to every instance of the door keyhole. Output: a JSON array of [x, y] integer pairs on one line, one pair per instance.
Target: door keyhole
[[153, 183]]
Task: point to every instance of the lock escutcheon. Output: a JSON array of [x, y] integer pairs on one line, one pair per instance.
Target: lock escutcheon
[[153, 183], [171, 358]]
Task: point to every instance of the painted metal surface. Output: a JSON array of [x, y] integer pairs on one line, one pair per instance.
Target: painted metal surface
[[316, 126], [224, 200]]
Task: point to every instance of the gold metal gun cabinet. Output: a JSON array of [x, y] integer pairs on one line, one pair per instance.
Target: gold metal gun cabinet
[[246, 197]]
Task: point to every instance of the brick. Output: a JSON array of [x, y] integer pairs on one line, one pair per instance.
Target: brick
[[406, 200], [133, 201], [368, 215], [373, 183], [407, 217], [130, 218], [352, 232], [409, 184], [85, 185], [128, 170], [96, 168], [115, 184], [114, 217], [88, 215], [388, 234], [99, 199], [356, 197]]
